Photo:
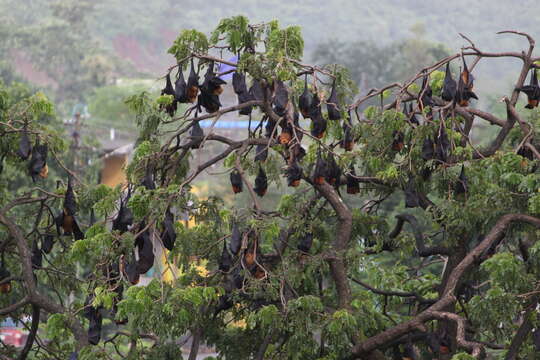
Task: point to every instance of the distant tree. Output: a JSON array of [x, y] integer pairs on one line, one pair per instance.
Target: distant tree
[[374, 64], [450, 269]]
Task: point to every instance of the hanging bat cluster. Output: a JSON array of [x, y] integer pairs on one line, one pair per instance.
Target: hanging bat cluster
[[461, 92], [182, 92], [66, 222], [235, 256], [532, 91]]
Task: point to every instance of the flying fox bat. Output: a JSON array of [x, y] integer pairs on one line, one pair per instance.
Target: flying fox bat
[[261, 183], [319, 173], [353, 185], [333, 172], [332, 104], [261, 152], [210, 90], [192, 84], [5, 287], [146, 252], [148, 180], [96, 319], [66, 220], [225, 261], [532, 91], [38, 162], [124, 218], [294, 174], [347, 142], [461, 186], [256, 90], [196, 134], [281, 98], [25, 148], [236, 181], [169, 90], [168, 234], [305, 243], [236, 239], [180, 87], [449, 85], [465, 87], [397, 140], [305, 101]]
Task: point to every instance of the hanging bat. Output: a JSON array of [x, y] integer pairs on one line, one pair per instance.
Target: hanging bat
[[168, 234], [38, 162], [25, 148], [281, 98], [353, 185], [243, 98], [397, 140], [426, 92], [333, 172], [465, 86], [256, 90], [196, 135], [286, 135], [318, 127], [143, 243], [148, 180], [180, 87], [5, 287], [212, 83], [225, 261], [210, 90], [305, 243], [526, 152], [96, 319], [236, 239], [261, 183], [318, 123], [129, 270], [250, 254], [47, 243], [294, 174], [236, 181], [261, 152], [409, 353], [532, 91], [37, 256], [269, 128], [192, 84], [412, 115], [412, 199], [124, 219], [428, 149], [442, 145], [169, 90], [297, 152], [347, 142], [332, 104], [66, 220], [305, 101], [461, 186], [239, 83], [449, 85], [319, 173], [240, 88]]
